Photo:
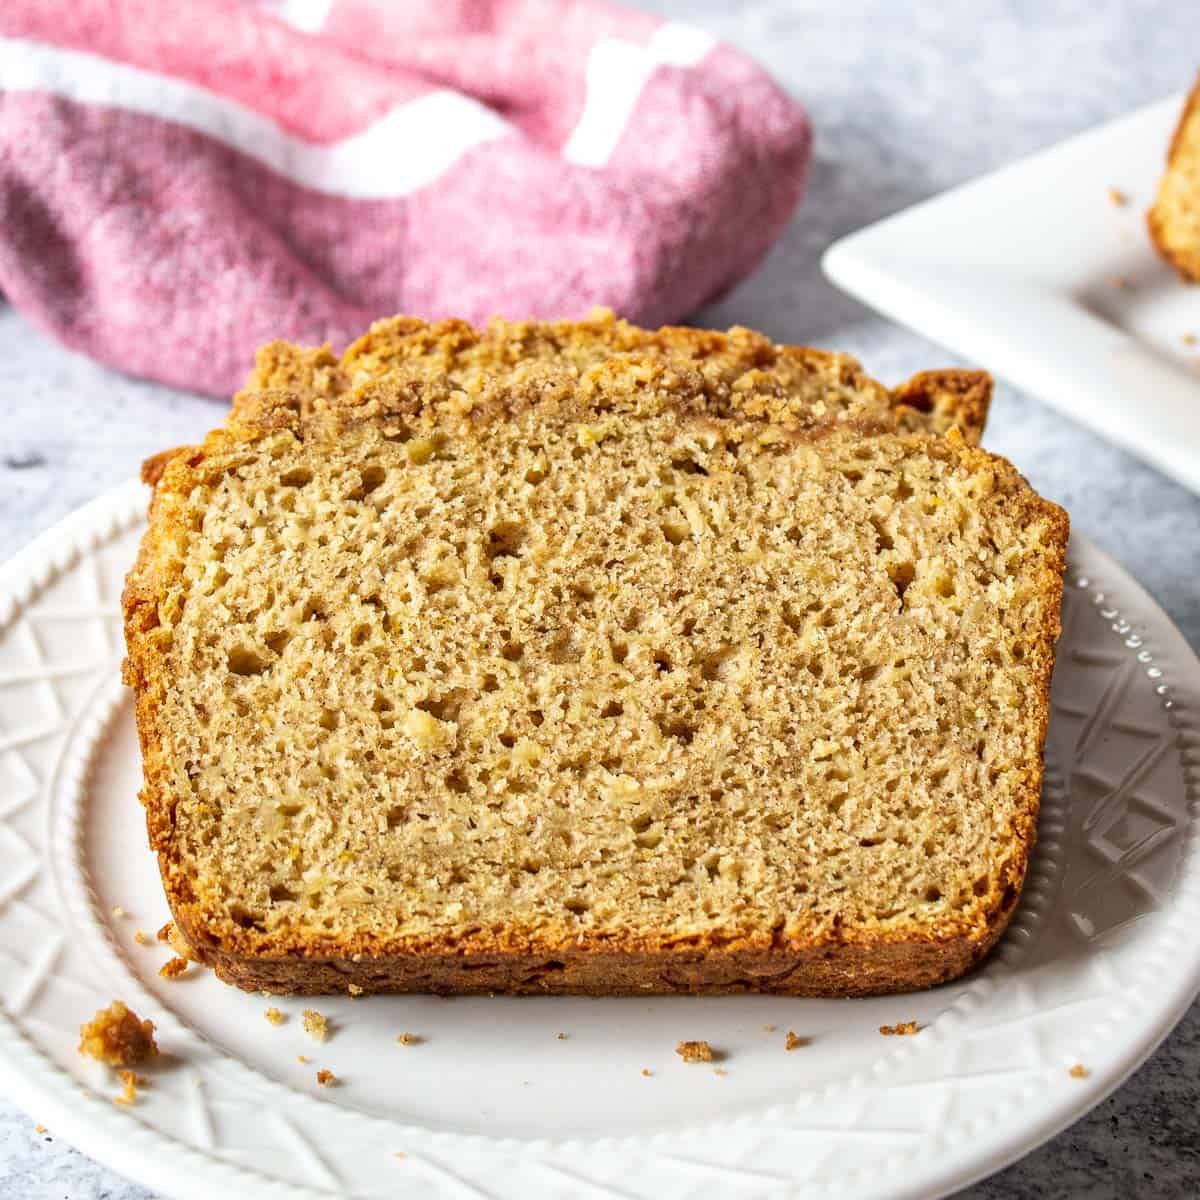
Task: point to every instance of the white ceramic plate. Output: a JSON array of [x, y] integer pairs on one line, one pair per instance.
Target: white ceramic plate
[[1036, 273], [1101, 961]]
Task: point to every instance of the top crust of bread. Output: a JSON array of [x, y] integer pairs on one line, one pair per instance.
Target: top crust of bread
[[834, 386]]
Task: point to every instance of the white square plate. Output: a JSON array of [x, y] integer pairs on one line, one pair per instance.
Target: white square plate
[[1040, 274]]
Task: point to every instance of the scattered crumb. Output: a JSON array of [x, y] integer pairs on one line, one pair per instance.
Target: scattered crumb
[[131, 1082], [1079, 1071], [1189, 339], [720, 1071], [794, 1041], [399, 1154], [39, 1128], [354, 990], [1121, 283], [901, 1028], [118, 911], [141, 937], [164, 933], [326, 1078], [274, 1016], [409, 1039], [562, 1037], [692, 1052], [118, 1036], [315, 1025], [1118, 197], [647, 1072], [302, 1059], [173, 968], [770, 1028]]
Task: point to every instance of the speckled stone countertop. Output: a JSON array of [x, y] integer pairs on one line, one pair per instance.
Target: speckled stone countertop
[[908, 98]]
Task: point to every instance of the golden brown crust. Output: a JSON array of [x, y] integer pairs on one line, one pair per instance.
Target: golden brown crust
[[1181, 250], [839, 961], [156, 464], [824, 969], [952, 397]]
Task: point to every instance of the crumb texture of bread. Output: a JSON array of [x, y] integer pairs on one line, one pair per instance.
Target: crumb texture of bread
[[823, 385], [592, 682], [1174, 219], [116, 1035]]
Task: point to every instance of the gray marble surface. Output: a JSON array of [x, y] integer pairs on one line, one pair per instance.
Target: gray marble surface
[[908, 98]]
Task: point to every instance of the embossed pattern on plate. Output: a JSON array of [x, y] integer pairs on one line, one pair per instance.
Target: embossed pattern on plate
[[1099, 964]]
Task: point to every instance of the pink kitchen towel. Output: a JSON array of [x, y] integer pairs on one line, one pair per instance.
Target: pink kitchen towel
[[181, 181]]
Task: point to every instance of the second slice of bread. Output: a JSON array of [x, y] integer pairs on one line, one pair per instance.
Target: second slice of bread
[[825, 386]]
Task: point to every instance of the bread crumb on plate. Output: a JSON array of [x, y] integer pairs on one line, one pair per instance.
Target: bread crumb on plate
[[1079, 1071], [130, 1083], [316, 1025], [141, 937], [409, 1039], [274, 1016], [326, 1078], [1119, 198], [173, 968], [794, 1041], [178, 942], [900, 1029], [692, 1052], [116, 1035]]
